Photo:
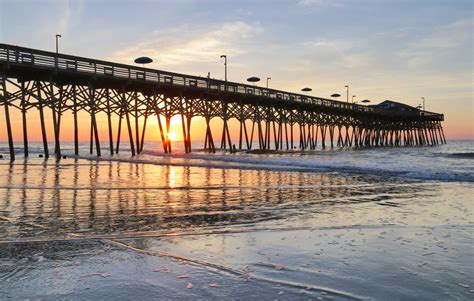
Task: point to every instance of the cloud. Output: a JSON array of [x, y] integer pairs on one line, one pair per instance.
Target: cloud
[[66, 15], [338, 53], [447, 36], [193, 44], [319, 3], [438, 42], [330, 45]]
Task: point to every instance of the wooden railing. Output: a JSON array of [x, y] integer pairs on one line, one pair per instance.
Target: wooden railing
[[14, 55]]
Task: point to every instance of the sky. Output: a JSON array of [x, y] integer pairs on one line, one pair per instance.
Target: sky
[[400, 50]]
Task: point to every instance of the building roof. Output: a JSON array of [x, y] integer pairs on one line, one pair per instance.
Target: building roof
[[396, 104]]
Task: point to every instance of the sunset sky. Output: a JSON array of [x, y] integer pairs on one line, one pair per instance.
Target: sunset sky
[[399, 50]]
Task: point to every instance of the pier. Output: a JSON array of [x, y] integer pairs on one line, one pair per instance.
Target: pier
[[54, 83]]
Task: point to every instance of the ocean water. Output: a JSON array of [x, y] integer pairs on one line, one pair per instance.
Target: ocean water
[[335, 224]]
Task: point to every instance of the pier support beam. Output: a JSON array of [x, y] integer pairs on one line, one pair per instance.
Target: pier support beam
[[74, 112], [6, 103], [23, 117], [109, 121], [92, 105], [43, 127], [52, 99]]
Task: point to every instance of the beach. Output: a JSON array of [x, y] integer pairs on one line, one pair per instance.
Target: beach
[[342, 224]]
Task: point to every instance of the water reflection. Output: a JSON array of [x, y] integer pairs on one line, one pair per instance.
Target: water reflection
[[45, 198]]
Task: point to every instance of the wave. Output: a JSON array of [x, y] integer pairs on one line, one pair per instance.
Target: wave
[[296, 164], [450, 163], [461, 155]]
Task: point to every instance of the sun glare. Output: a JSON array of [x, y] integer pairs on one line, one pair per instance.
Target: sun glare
[[172, 136]]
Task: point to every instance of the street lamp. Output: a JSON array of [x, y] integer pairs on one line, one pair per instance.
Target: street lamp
[[225, 65], [347, 86], [423, 103], [253, 80], [57, 39], [268, 78], [143, 60], [225, 70], [353, 96], [306, 89]]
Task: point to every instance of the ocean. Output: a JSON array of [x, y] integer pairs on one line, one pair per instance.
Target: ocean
[[336, 224]]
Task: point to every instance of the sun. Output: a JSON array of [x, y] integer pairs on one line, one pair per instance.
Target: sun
[[171, 136]]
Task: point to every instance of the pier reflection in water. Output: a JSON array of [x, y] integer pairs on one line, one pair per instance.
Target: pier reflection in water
[[47, 198]]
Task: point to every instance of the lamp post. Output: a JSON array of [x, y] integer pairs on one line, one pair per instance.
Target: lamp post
[[268, 78], [423, 103], [57, 50], [225, 65], [347, 86], [253, 79], [57, 42], [306, 90], [143, 60], [224, 56]]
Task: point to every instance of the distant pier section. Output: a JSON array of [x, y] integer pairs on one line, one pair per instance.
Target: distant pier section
[[53, 83]]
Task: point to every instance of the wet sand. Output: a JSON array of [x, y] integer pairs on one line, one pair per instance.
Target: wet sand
[[82, 229]]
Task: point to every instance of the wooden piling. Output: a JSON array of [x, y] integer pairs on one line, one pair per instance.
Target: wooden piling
[[142, 140], [43, 127], [23, 115], [130, 135], [7, 119], [119, 129], [162, 135], [57, 150], [91, 137], [188, 123], [168, 125], [76, 129], [109, 122], [246, 136], [92, 105], [185, 138], [251, 134], [137, 130]]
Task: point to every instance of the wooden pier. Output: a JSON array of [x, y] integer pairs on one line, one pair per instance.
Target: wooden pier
[[55, 83]]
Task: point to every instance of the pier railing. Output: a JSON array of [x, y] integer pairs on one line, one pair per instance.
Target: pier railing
[[26, 57]]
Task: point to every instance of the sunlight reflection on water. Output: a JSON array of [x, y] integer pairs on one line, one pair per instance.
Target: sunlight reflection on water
[[39, 198]]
